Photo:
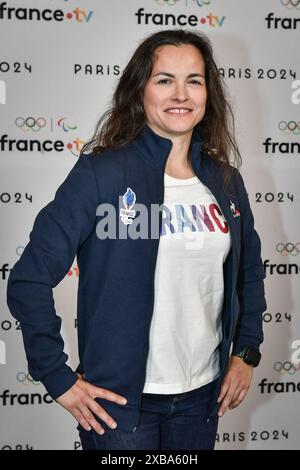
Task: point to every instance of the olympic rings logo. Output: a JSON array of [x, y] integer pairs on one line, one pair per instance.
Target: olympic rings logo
[[288, 248], [30, 123], [291, 127], [26, 379], [287, 367], [291, 4]]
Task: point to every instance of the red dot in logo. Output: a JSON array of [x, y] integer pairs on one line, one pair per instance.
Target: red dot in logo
[[69, 146], [203, 20], [69, 16]]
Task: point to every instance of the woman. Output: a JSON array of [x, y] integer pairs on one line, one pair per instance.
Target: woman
[[170, 268]]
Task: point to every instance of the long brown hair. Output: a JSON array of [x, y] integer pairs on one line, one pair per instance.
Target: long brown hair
[[125, 118]]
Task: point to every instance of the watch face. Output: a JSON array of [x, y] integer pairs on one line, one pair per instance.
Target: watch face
[[252, 357]]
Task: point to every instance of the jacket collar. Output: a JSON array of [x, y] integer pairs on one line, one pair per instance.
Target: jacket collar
[[156, 148]]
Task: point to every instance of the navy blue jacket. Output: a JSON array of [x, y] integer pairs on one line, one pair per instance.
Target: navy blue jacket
[[116, 276]]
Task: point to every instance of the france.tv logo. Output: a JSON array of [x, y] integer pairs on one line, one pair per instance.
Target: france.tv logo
[[46, 14]]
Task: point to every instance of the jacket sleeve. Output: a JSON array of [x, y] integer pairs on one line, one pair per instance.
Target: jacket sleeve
[[250, 284], [58, 231]]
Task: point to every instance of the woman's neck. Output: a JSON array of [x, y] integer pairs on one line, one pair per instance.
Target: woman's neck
[[178, 164]]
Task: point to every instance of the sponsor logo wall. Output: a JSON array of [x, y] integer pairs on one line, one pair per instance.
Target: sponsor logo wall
[[59, 63]]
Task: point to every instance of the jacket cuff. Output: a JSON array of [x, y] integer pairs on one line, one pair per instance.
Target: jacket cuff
[[239, 346], [59, 381]]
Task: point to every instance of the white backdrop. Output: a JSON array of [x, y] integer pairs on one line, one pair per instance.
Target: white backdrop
[[56, 78]]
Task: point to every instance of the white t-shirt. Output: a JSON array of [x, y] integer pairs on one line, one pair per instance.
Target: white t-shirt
[[186, 326]]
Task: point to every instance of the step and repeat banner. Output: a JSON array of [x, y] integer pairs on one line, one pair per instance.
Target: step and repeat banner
[[60, 61]]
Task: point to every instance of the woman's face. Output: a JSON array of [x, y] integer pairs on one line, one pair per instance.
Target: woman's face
[[175, 94]]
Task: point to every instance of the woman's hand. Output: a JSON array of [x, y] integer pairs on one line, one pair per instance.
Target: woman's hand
[[80, 401], [235, 385]]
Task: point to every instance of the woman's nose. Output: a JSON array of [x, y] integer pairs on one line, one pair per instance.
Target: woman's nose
[[180, 92]]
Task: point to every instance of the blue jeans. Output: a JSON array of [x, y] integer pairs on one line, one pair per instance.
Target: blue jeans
[[172, 421]]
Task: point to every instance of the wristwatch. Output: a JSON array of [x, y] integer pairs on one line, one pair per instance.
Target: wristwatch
[[250, 356]]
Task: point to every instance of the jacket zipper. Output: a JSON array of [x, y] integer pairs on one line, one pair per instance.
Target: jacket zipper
[[153, 292]]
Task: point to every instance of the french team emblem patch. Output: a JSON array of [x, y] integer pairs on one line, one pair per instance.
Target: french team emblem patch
[[128, 213]]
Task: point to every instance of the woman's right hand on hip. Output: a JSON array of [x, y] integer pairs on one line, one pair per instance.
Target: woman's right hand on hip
[[80, 401]]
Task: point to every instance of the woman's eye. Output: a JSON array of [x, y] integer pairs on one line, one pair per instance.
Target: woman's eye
[[164, 80], [167, 80]]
